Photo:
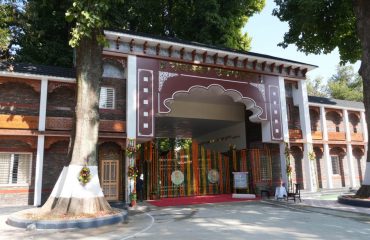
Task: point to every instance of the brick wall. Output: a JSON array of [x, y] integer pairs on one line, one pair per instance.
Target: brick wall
[[19, 98], [61, 102], [297, 165], [17, 194], [293, 114], [354, 122], [334, 121], [359, 163], [320, 167], [55, 158], [315, 120], [342, 179], [276, 165]]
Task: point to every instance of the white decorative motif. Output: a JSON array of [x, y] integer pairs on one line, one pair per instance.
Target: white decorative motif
[[163, 76], [177, 177], [261, 88]]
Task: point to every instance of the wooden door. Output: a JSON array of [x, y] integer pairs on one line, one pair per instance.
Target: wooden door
[[109, 179]]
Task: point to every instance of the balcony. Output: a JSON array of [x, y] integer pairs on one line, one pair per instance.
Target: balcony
[[65, 124], [337, 136], [295, 133], [357, 137], [316, 135], [55, 123], [8, 121]]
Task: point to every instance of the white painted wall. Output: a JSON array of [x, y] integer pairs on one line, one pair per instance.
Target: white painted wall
[[198, 110]]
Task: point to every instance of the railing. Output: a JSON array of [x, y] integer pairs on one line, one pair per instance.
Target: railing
[[337, 136], [358, 137], [316, 135], [295, 133], [60, 123]]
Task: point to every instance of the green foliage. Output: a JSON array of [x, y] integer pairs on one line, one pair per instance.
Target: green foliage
[[319, 26], [44, 33], [45, 37], [215, 22], [9, 30], [89, 18], [346, 84], [316, 88]]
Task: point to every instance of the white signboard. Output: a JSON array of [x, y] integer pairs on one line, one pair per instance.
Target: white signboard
[[240, 180]]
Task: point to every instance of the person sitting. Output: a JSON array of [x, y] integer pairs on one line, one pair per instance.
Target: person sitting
[[280, 192]]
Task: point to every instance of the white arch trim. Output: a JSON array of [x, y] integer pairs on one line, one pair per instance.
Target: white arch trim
[[249, 103]]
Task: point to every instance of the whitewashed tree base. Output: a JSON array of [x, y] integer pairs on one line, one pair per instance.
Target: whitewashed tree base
[[246, 196], [70, 196], [367, 175]]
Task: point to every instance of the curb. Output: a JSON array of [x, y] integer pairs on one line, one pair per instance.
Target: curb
[[63, 224], [353, 202]]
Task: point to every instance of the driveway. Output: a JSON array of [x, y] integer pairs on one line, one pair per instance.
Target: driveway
[[238, 220]]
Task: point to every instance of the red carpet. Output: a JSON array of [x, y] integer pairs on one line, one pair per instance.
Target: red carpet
[[166, 202]]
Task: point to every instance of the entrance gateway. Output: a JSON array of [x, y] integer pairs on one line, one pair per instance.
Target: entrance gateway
[[212, 107], [220, 112]]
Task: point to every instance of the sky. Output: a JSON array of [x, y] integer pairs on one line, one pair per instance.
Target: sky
[[267, 31]]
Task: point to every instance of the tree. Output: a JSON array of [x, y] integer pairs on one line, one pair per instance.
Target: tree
[[346, 84], [215, 22], [316, 88], [321, 26], [69, 196], [44, 34], [9, 28]]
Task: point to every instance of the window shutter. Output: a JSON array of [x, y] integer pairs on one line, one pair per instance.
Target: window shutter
[[4, 167], [15, 168], [107, 98]]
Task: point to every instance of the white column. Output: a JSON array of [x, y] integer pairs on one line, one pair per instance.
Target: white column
[[351, 170], [366, 180], [284, 118], [364, 127], [40, 143], [304, 116], [327, 158], [38, 170], [131, 107]]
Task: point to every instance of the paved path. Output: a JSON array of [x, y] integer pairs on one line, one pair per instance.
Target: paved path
[[242, 220]]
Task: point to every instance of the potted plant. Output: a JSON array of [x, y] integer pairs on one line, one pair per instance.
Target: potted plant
[[133, 198]]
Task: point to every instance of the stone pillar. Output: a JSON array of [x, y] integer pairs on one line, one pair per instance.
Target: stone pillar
[[40, 143], [326, 154], [351, 171], [304, 116], [131, 107], [284, 118]]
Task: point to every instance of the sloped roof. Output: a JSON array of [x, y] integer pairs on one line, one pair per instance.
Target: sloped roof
[[336, 102], [38, 69]]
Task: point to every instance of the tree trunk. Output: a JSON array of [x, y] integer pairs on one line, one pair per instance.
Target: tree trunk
[[362, 13], [69, 196]]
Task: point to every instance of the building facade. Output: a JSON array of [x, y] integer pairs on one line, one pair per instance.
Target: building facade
[[242, 110]]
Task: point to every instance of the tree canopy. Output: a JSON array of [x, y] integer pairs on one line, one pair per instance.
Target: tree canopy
[[345, 84], [44, 34], [320, 26]]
